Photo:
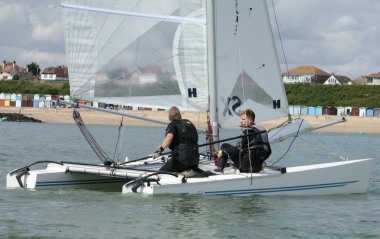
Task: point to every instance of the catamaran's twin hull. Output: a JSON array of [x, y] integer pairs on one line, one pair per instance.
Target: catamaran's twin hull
[[320, 179]]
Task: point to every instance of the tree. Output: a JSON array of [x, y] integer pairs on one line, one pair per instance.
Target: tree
[[34, 68], [15, 77]]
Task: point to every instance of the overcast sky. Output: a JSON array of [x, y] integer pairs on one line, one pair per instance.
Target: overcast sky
[[340, 36]]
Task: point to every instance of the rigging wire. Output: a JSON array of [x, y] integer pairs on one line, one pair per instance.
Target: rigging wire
[[290, 144], [119, 140]]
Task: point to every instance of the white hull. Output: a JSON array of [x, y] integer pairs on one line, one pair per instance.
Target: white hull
[[73, 176], [319, 179]]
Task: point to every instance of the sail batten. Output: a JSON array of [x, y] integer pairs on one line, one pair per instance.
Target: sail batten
[[137, 15]]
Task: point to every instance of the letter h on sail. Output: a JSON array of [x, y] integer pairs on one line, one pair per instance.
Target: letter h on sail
[[276, 104], [192, 92]]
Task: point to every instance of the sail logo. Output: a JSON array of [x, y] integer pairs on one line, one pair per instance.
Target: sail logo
[[235, 103], [276, 104], [192, 92]]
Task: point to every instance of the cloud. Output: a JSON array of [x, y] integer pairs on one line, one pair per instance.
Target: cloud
[[340, 35]]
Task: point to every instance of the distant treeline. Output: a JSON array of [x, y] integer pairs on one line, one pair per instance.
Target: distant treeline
[[28, 87], [367, 96], [298, 94]]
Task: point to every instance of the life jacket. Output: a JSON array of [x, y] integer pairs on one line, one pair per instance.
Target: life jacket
[[188, 136], [258, 143]]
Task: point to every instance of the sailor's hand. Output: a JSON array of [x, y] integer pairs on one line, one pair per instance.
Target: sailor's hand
[[158, 152]]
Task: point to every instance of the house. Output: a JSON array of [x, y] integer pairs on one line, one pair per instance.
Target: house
[[10, 69], [55, 73], [373, 79], [336, 80], [305, 74]]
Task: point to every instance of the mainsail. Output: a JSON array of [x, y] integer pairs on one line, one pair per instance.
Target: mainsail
[[160, 53]]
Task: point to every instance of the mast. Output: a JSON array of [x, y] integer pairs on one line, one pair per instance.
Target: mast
[[211, 66]]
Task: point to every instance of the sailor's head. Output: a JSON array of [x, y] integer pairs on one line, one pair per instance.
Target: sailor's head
[[174, 113], [247, 118]]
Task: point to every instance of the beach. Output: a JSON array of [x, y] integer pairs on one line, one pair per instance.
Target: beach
[[354, 124]]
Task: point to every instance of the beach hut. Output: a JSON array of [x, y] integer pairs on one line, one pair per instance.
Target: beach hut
[[47, 101], [296, 109], [41, 101], [7, 102], [82, 102], [348, 110], [18, 100], [355, 111], [318, 110], [25, 97], [7, 96], [2, 96], [12, 103], [362, 111], [340, 111], [376, 112], [311, 111], [95, 104], [102, 105], [329, 110], [89, 103], [369, 112], [13, 96], [291, 109], [303, 110], [30, 103], [1, 102], [53, 103]]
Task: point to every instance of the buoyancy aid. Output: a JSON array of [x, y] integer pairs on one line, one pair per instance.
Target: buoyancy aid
[[188, 136], [258, 142]]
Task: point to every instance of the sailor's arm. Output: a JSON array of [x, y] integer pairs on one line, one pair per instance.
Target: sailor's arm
[[168, 139]]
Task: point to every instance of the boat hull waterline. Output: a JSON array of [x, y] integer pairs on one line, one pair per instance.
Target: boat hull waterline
[[319, 179]]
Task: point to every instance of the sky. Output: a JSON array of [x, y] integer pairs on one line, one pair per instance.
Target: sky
[[340, 36]]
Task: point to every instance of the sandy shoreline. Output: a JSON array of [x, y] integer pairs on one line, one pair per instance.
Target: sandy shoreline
[[354, 124]]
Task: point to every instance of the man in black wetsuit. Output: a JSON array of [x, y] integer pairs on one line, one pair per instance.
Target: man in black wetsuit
[[251, 151], [180, 134]]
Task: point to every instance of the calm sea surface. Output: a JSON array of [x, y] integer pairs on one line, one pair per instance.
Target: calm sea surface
[[73, 213]]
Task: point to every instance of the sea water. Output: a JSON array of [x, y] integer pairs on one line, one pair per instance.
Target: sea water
[[79, 213]]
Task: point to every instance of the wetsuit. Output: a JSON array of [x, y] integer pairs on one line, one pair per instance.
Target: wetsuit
[[251, 151], [185, 135]]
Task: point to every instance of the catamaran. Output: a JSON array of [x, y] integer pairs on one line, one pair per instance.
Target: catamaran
[[201, 55]]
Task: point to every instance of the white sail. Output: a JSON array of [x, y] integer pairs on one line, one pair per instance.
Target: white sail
[[149, 53], [247, 65], [160, 53]]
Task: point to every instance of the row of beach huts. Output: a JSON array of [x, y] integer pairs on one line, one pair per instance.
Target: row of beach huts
[[30, 100], [51, 101], [330, 110]]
